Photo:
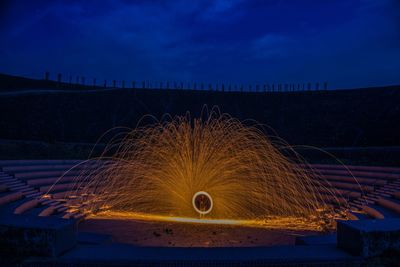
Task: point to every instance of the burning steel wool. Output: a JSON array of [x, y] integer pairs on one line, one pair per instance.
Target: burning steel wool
[[213, 169]]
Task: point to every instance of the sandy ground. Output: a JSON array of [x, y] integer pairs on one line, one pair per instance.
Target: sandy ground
[[146, 233]]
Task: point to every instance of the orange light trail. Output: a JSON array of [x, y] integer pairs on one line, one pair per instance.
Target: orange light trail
[[158, 169]]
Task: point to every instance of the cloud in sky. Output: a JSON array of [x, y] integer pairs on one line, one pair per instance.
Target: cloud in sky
[[348, 43]]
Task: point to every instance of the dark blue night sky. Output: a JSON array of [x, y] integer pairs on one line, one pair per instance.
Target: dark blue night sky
[[347, 43]]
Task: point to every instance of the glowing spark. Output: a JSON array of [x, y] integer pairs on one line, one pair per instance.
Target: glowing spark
[[173, 167]]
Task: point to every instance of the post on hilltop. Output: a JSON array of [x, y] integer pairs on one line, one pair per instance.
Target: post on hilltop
[[47, 76], [59, 78], [325, 86]]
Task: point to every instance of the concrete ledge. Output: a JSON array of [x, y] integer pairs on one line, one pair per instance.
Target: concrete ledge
[[368, 238], [328, 239], [37, 236], [92, 238], [128, 255]]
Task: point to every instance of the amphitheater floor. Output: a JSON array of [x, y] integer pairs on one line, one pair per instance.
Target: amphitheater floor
[[176, 234]]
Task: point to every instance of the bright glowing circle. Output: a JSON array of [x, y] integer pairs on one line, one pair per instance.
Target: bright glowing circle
[[202, 202]]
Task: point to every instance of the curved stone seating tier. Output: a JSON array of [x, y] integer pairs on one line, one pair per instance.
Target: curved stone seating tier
[[63, 194], [361, 174], [373, 190], [59, 187], [363, 181], [351, 186], [373, 212], [10, 197], [8, 163], [36, 168], [27, 206], [19, 178], [47, 211], [343, 193], [334, 200], [46, 181], [3, 188], [391, 204], [26, 176], [354, 168]]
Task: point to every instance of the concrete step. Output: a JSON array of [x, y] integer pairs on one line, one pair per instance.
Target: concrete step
[[360, 174], [45, 174], [20, 187], [385, 190], [10, 198], [372, 212], [390, 204], [29, 204], [60, 187], [371, 198], [342, 192], [362, 181], [3, 188], [46, 167], [349, 186], [14, 182], [9, 163], [356, 168], [50, 181], [47, 211], [36, 194]]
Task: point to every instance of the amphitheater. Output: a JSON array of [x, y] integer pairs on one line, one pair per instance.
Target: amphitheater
[[373, 192], [37, 181]]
